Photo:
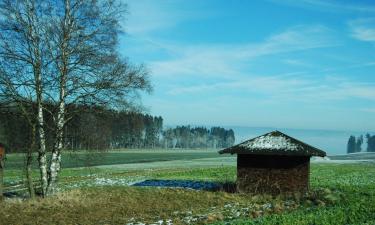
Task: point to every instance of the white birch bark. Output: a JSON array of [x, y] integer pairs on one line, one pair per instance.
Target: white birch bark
[[56, 154], [37, 66], [42, 158], [60, 121]]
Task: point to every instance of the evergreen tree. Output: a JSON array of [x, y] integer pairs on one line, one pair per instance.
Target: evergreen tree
[[198, 137], [370, 143], [359, 142], [351, 144]]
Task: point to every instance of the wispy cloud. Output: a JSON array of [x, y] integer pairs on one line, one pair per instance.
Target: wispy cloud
[[228, 59], [328, 5], [147, 16], [294, 88], [294, 39], [343, 91], [297, 62], [227, 68], [363, 29], [370, 110], [260, 84]]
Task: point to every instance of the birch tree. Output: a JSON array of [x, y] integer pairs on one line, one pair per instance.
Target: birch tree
[[8, 91], [83, 38], [67, 51], [21, 59]]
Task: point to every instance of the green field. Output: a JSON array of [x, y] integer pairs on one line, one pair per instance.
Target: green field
[[340, 193], [84, 159], [83, 163]]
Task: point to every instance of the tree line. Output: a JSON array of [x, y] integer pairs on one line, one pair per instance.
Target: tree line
[[96, 128], [355, 143], [93, 128], [198, 137]]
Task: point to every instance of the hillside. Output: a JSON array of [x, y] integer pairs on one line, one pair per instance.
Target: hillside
[[354, 156]]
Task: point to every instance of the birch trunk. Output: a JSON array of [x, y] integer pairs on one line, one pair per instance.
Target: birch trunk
[[56, 154], [42, 158], [29, 177], [35, 49], [29, 160], [63, 69]]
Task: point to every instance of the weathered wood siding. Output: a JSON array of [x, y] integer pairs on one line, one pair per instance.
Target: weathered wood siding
[[272, 174]]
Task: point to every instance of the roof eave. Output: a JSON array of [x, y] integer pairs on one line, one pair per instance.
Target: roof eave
[[271, 152]]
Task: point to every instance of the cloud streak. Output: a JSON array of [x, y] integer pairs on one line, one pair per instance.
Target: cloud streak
[[229, 66], [328, 6], [287, 88], [228, 59], [147, 16], [363, 29]]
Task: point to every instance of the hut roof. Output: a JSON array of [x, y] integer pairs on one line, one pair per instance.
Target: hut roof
[[274, 143]]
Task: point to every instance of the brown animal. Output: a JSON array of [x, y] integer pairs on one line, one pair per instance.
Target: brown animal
[[2, 155]]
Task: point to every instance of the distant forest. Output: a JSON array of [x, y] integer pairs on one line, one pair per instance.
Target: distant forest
[[355, 143], [99, 128]]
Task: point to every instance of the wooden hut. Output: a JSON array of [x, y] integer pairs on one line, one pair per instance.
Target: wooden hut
[[273, 163]]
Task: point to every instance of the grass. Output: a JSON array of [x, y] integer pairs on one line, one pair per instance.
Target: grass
[[84, 159], [341, 194], [81, 163], [119, 205], [115, 205], [355, 181]]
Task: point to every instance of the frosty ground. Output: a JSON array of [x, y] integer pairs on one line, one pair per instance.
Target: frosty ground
[[103, 194]]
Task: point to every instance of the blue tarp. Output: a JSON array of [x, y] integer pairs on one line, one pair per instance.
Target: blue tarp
[[196, 185]]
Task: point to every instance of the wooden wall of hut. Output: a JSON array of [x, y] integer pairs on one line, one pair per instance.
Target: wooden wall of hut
[[272, 174]]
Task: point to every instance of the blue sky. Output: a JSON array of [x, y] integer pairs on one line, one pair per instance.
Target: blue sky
[[280, 63]]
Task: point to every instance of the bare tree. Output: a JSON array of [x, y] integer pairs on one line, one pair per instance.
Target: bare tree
[[21, 59], [82, 42], [69, 48], [9, 92]]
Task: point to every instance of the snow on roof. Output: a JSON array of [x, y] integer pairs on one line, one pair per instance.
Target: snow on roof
[[274, 143]]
